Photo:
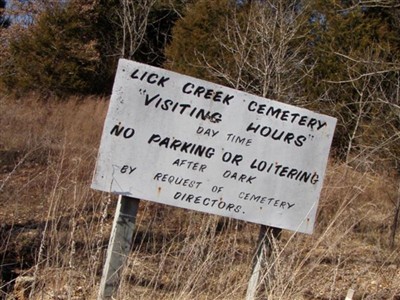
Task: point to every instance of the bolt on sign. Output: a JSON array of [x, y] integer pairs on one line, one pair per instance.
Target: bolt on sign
[[190, 143]]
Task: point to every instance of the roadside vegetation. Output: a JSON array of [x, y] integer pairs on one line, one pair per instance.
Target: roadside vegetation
[[57, 63]]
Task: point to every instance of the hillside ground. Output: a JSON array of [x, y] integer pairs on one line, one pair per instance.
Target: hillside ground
[[54, 229]]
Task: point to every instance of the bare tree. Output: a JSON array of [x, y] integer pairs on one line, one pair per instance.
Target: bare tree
[[132, 21], [266, 42], [373, 111]]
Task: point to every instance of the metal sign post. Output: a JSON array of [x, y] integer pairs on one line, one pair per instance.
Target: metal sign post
[[119, 245], [264, 255]]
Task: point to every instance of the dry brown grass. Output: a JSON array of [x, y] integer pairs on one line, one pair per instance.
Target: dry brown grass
[[54, 228]]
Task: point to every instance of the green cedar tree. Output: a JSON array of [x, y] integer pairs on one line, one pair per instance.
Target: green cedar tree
[[355, 51], [196, 39], [57, 55]]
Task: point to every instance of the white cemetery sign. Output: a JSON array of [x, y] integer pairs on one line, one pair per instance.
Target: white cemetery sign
[[189, 143]]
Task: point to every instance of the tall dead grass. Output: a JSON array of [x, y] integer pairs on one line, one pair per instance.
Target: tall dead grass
[[55, 229]]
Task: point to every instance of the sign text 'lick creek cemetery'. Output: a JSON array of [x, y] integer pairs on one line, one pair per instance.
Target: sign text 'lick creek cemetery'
[[189, 143]]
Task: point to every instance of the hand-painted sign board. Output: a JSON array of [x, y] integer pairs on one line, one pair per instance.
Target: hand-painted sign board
[[189, 143]]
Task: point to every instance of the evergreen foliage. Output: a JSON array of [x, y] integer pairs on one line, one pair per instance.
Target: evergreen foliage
[[58, 55], [73, 48], [126, 34], [355, 50], [197, 38], [158, 34]]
